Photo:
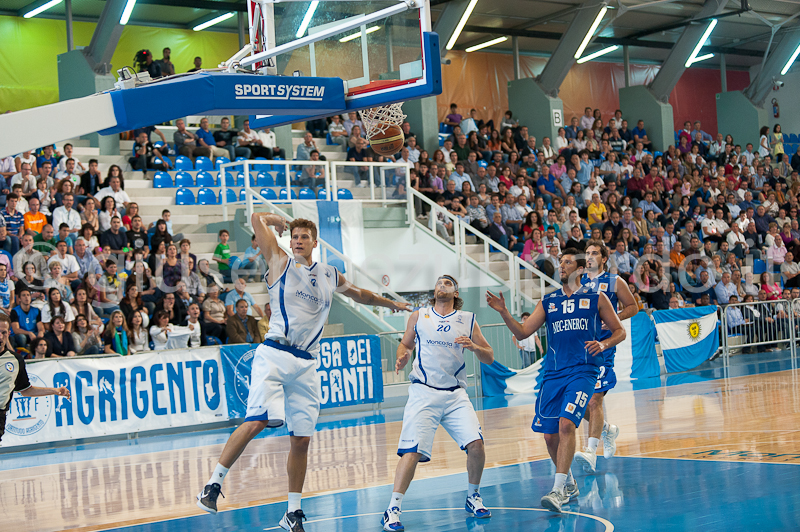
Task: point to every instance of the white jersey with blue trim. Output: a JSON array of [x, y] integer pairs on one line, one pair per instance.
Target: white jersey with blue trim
[[440, 361], [301, 301]]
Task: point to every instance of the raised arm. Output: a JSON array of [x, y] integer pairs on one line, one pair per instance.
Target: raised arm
[[268, 244], [406, 345], [365, 297], [608, 314], [520, 330]]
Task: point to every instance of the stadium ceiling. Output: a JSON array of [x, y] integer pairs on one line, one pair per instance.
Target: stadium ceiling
[[647, 27]]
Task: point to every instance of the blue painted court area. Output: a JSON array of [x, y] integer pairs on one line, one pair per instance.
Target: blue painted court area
[[628, 494]]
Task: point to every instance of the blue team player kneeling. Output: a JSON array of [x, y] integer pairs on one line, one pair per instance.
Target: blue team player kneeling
[[571, 365]]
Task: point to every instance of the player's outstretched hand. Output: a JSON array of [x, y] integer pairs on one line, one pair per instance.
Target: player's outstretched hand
[[466, 342], [63, 391], [408, 307], [402, 361], [595, 348], [498, 303]]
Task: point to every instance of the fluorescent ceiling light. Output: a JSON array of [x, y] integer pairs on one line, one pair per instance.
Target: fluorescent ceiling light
[[701, 43], [702, 58], [604, 51], [126, 13], [41, 8], [357, 35], [598, 19], [213, 21], [789, 63], [461, 24], [307, 19], [487, 44]]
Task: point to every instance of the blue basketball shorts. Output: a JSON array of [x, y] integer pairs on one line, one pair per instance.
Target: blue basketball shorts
[[564, 396], [606, 379]]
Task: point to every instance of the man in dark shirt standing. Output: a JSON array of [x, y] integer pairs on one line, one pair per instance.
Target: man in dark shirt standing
[[137, 236], [114, 238], [226, 138], [14, 376]]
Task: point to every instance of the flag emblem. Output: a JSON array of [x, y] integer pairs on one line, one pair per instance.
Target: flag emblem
[[694, 330]]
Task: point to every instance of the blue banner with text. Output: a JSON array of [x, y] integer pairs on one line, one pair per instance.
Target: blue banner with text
[[348, 372]]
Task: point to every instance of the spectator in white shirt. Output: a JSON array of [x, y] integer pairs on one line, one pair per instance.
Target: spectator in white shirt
[[25, 178], [69, 264], [270, 140], [7, 168], [114, 190], [67, 215], [413, 151], [62, 164], [251, 139], [337, 131]]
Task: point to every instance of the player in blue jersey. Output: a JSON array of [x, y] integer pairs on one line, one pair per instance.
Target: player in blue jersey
[[283, 380], [573, 316], [440, 331], [597, 278]]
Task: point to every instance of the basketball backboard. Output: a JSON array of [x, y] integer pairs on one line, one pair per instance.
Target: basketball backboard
[[381, 49]]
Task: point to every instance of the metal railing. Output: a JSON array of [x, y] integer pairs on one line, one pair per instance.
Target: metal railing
[[760, 323], [355, 273], [491, 249], [333, 173]]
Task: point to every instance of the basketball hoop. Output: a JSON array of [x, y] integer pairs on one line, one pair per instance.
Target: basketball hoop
[[378, 119]]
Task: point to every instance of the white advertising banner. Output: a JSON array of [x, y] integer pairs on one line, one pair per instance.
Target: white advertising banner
[[118, 396]]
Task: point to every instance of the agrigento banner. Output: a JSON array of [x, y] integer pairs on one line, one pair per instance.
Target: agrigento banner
[[118, 396]]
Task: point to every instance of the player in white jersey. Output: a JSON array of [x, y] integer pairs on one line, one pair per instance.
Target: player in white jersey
[[440, 332], [599, 279], [283, 381]]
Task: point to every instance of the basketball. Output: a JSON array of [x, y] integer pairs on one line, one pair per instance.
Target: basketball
[[389, 142]]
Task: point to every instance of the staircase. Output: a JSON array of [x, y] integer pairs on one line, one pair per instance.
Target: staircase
[[526, 284]]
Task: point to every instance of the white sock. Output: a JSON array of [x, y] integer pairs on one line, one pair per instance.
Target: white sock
[[593, 442], [561, 480], [396, 501], [219, 474], [473, 488], [570, 478], [294, 501]]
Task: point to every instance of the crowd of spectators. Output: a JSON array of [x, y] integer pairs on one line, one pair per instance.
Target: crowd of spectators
[[82, 273], [685, 226]]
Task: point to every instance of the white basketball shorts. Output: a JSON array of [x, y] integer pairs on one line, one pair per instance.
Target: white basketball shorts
[[283, 389], [426, 409]]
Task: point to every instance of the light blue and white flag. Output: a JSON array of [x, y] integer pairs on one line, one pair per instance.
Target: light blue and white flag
[[342, 228], [688, 336]]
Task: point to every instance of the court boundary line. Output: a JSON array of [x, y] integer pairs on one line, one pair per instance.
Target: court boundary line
[[608, 524]]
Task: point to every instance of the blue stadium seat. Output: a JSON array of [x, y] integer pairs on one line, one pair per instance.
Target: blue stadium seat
[[759, 267], [184, 179], [482, 163], [242, 195], [240, 179], [206, 196], [793, 138], [307, 193], [265, 180], [184, 196], [213, 340], [322, 194], [344, 194], [205, 179], [182, 162], [329, 140], [230, 180], [219, 161], [260, 167], [284, 195], [230, 196], [269, 194], [162, 180], [203, 163], [445, 128]]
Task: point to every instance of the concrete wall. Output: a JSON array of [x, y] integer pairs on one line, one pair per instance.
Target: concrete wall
[[640, 104], [533, 108], [736, 115]]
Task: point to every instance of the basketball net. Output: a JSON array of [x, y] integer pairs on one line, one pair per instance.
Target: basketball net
[[378, 119]]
